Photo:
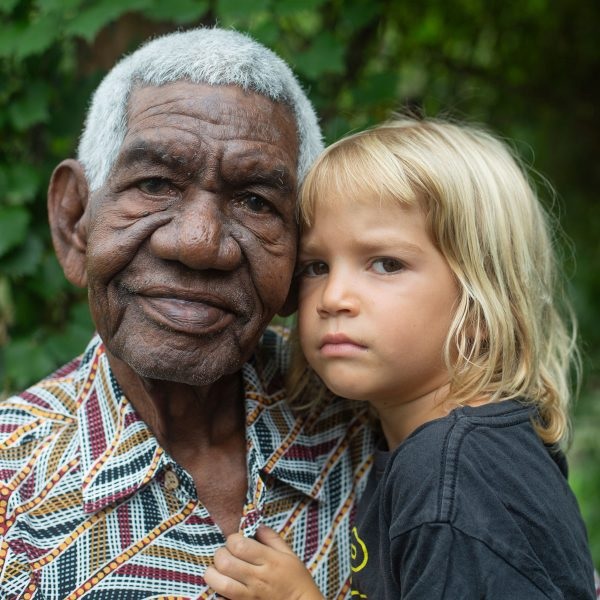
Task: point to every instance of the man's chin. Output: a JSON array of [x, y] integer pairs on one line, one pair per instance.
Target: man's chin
[[185, 370], [193, 377], [195, 366], [152, 353]]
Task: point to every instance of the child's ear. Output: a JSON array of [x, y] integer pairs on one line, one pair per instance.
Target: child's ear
[[67, 200], [291, 302]]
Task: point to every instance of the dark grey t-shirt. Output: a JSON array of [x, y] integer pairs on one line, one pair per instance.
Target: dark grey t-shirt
[[472, 505]]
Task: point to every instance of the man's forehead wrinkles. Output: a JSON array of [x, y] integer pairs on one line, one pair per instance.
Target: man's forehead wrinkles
[[175, 120], [141, 149], [206, 110], [239, 130], [137, 108]]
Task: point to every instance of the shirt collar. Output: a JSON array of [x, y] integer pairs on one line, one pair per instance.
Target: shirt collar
[[119, 453], [279, 443], [297, 448]]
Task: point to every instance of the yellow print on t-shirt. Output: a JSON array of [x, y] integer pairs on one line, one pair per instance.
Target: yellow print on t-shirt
[[360, 558], [359, 553]]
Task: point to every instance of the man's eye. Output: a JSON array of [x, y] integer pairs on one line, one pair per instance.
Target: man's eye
[[254, 203], [387, 265], [313, 269], [156, 186]]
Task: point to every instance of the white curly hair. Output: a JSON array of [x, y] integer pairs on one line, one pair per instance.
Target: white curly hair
[[205, 55]]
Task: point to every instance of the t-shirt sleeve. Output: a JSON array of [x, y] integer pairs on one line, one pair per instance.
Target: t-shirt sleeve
[[439, 561]]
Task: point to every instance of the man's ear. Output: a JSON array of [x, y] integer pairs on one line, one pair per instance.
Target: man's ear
[[67, 201], [291, 302]]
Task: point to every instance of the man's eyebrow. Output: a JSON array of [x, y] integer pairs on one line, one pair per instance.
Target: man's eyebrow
[[278, 178], [150, 153], [156, 154]]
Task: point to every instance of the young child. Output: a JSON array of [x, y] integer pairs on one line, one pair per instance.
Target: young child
[[429, 288]]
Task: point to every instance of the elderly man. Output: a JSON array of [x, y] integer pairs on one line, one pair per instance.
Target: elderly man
[[123, 472]]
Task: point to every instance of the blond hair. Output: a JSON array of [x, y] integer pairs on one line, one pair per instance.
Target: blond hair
[[513, 333]]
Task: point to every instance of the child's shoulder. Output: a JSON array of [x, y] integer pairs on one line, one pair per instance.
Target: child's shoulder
[[467, 431], [476, 461], [485, 474]]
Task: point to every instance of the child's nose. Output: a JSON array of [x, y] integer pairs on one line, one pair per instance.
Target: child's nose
[[338, 297]]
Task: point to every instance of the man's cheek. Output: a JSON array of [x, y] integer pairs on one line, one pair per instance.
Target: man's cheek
[[276, 281], [106, 259], [114, 243]]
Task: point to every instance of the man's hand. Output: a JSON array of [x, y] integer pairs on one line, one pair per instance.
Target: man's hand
[[247, 569]]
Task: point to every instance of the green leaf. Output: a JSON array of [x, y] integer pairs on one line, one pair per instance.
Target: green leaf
[[22, 183], [177, 11], [30, 109], [80, 315], [412, 79], [336, 128], [376, 89], [37, 37], [26, 361], [58, 6], [267, 33], [6, 6], [359, 14], [3, 181], [326, 55], [71, 342], [23, 260], [10, 34], [232, 11], [13, 227], [431, 29], [90, 21], [50, 280], [286, 8]]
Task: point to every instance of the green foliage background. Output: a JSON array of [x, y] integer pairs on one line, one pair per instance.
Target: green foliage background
[[528, 69]]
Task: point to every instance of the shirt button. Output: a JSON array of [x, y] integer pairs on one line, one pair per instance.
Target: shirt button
[[171, 480]]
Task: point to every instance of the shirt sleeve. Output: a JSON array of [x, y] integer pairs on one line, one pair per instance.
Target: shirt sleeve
[[439, 561]]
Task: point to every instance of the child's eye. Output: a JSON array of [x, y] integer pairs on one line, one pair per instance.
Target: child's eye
[[386, 265], [313, 269]]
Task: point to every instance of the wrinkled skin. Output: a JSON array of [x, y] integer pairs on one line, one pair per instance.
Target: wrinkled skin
[[191, 241], [188, 251]]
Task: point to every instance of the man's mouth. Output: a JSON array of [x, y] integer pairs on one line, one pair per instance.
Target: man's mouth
[[185, 311]]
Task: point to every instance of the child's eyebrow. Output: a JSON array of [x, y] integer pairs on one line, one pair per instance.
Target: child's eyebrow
[[382, 245]]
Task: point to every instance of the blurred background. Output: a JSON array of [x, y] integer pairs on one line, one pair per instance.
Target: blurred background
[[528, 69]]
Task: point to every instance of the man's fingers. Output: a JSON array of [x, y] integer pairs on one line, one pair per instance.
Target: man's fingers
[[267, 536]]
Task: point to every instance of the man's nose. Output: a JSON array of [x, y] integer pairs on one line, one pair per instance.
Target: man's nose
[[198, 236], [339, 295]]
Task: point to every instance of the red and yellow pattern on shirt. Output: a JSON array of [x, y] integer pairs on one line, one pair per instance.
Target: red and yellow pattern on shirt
[[85, 512]]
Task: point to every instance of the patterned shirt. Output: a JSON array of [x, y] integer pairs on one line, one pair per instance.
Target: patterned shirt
[[91, 506]]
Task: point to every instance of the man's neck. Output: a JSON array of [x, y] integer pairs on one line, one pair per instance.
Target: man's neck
[[203, 429], [181, 414]]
